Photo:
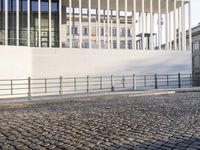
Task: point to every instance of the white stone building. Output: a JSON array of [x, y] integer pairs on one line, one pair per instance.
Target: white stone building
[[47, 38]]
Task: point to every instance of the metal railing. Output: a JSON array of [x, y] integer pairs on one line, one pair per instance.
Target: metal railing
[[58, 86]]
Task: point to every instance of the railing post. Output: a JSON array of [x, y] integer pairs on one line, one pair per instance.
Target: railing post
[[123, 81], [61, 85], [134, 82], [11, 87], [156, 81], [45, 85], [100, 83], [145, 81], [191, 79], [167, 80], [112, 83], [29, 88], [179, 80], [75, 84], [88, 83]]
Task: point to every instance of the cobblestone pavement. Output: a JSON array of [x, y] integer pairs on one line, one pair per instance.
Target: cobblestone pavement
[[148, 122]]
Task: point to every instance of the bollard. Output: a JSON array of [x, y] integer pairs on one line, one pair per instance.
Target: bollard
[[29, 88]]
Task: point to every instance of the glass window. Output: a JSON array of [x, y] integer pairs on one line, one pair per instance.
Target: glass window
[[44, 23], [23, 22], [2, 23], [55, 23], [11, 22], [114, 32], [85, 30], [34, 24]]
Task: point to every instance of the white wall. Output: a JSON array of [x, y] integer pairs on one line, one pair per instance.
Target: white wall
[[15, 62], [21, 62], [81, 62]]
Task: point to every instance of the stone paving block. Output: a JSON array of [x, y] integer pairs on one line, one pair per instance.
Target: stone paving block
[[153, 122]]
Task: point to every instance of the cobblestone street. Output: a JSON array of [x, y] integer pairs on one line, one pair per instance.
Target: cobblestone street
[[146, 122]]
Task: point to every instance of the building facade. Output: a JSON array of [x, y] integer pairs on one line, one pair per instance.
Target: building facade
[[68, 35], [196, 55]]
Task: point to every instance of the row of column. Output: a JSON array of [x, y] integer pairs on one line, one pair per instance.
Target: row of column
[[29, 21], [175, 43]]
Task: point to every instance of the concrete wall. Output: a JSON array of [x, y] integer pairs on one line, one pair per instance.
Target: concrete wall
[[82, 62], [21, 62], [15, 62]]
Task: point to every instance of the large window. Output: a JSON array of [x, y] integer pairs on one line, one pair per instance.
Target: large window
[[34, 24], [11, 22], [55, 23], [2, 22], [44, 23], [23, 22]]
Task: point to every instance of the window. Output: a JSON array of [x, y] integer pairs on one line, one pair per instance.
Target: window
[[85, 30], [23, 22], [2, 23], [123, 32], [196, 46], [102, 31], [12, 22], [74, 31], [129, 33], [114, 30]]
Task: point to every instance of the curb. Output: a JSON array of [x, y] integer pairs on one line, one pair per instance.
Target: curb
[[45, 101]]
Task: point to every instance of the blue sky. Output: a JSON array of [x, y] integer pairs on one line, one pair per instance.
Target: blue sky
[[195, 12]]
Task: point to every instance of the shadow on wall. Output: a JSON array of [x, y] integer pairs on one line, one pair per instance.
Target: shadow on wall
[[160, 67]]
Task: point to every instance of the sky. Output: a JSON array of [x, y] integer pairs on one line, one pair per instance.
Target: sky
[[195, 8]]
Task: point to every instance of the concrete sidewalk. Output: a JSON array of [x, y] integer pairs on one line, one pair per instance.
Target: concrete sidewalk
[[44, 100]]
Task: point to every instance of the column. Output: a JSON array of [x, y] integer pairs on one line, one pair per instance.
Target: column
[[99, 23], [175, 25], [159, 26], [117, 22], [143, 44], [179, 29], [126, 28], [50, 22], [17, 22], [89, 24], [60, 23], [153, 30], [80, 24], [190, 27], [104, 33], [167, 25], [28, 23], [108, 24], [170, 30], [6, 22], [134, 25], [111, 31], [183, 26], [70, 23], [151, 24], [39, 22]]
